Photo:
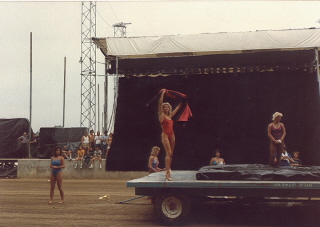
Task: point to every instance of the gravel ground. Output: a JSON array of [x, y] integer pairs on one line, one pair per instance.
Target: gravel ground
[[24, 202]]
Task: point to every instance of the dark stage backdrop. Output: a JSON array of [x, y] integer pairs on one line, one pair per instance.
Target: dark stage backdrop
[[53, 137], [10, 131], [230, 112]]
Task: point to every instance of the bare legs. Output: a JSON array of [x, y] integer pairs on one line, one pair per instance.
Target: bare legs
[[169, 147], [275, 152], [53, 181]]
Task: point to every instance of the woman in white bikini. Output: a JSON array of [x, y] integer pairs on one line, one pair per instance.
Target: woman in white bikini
[[217, 160]]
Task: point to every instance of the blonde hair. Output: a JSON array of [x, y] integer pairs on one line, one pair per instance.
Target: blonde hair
[[276, 114], [154, 150], [170, 107]]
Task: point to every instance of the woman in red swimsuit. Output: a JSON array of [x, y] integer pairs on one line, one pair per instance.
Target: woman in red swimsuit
[[167, 136], [276, 133]]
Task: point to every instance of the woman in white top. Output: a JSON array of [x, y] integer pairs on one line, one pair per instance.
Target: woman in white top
[[217, 160], [97, 140], [85, 140]]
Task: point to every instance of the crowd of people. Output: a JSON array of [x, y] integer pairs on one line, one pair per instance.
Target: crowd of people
[[88, 143], [93, 147]]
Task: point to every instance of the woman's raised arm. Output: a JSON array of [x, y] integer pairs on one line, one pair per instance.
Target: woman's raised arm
[[160, 104], [176, 110]]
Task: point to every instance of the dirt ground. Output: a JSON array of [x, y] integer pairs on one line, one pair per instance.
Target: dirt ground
[[24, 202]]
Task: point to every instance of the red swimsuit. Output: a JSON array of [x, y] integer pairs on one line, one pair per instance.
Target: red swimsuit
[[167, 127]]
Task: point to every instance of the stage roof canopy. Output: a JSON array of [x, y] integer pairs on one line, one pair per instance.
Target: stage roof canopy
[[208, 44]]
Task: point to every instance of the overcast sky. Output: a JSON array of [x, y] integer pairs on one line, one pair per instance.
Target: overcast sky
[[56, 31]]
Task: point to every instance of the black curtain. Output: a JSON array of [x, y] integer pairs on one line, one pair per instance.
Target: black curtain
[[230, 112], [53, 137], [10, 131]]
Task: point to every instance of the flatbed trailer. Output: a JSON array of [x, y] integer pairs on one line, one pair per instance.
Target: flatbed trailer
[[173, 199]]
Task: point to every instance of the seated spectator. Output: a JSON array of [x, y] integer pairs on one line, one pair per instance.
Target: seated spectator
[[66, 153], [296, 160], [153, 163], [80, 157], [286, 159], [87, 157], [97, 155], [217, 160], [91, 151]]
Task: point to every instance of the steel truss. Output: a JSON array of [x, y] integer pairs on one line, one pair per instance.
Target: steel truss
[[88, 66]]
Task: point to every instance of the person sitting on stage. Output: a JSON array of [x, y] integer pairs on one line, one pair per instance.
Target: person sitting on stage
[[296, 160], [154, 161], [286, 159], [81, 153], [217, 160]]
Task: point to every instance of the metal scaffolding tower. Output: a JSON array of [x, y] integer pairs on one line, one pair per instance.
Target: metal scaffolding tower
[[88, 66], [120, 29]]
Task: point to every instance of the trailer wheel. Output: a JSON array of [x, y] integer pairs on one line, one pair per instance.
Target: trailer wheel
[[172, 208]]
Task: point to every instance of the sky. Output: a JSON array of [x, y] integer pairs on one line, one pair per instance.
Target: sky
[[56, 34]]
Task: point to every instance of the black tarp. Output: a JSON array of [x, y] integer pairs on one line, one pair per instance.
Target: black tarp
[[10, 131], [52, 137], [230, 112], [258, 172]]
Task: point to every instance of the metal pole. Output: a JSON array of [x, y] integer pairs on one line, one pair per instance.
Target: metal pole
[[102, 122], [106, 97], [30, 93], [124, 201], [64, 92], [317, 64], [98, 110]]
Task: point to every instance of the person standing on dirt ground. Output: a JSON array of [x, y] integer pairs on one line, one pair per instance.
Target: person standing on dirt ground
[[24, 145], [57, 164]]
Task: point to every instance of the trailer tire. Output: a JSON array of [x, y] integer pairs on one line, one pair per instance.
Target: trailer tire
[[172, 208]]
